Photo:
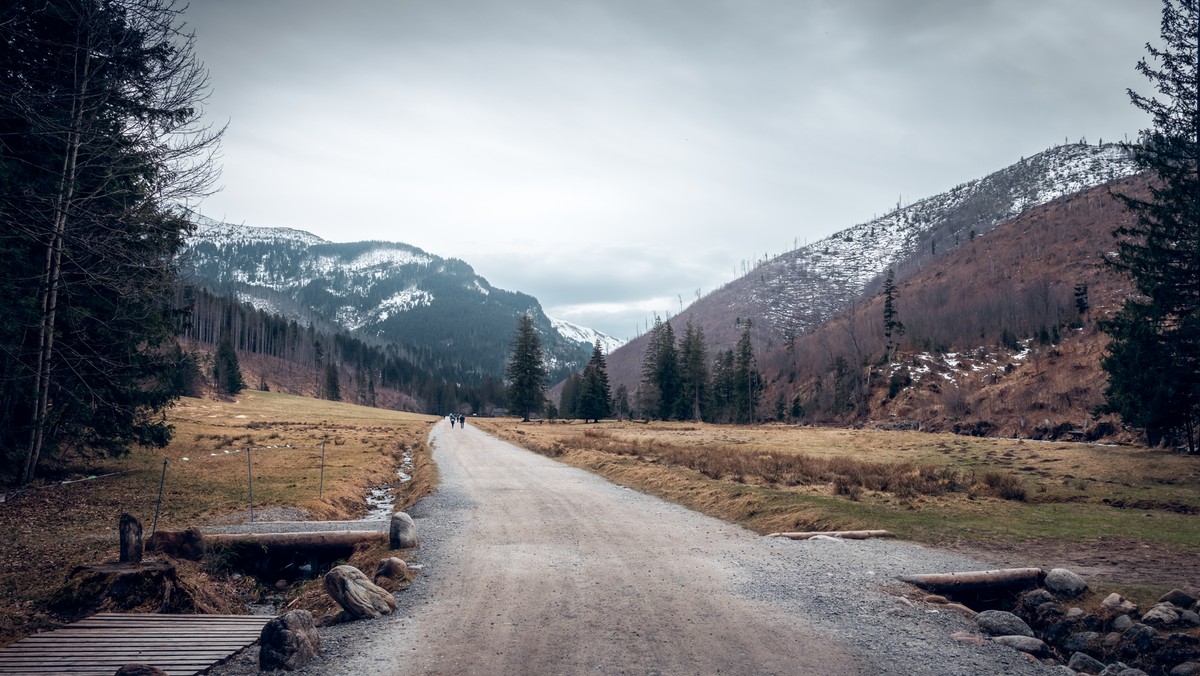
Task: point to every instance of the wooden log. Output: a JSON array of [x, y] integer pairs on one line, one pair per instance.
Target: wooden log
[[315, 541], [844, 534], [976, 580], [131, 539]]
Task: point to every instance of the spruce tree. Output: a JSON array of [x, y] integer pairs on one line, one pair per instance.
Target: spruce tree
[[333, 384], [569, 400], [595, 397], [661, 383], [892, 328], [694, 385], [621, 402], [100, 136], [1153, 360], [746, 382], [526, 370], [227, 373]]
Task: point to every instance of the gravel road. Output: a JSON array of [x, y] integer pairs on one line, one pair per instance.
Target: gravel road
[[534, 567]]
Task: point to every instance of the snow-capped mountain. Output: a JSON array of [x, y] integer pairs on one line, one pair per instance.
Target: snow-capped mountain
[[795, 291], [585, 335], [803, 287], [438, 310]]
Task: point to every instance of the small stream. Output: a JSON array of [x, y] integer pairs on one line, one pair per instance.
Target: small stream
[[380, 501]]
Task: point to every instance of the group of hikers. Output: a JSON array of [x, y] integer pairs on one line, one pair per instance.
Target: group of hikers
[[460, 419]]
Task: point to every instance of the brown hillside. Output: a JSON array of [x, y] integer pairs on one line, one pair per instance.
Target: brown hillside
[[1016, 282]]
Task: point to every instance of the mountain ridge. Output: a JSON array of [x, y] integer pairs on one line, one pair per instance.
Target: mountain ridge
[[450, 319], [796, 291]]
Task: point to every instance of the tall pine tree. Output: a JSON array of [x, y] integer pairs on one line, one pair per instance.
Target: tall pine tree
[[526, 371], [1153, 361], [99, 138], [694, 386], [595, 397]]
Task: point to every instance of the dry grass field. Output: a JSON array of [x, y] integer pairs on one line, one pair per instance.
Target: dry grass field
[[55, 526], [1117, 514]]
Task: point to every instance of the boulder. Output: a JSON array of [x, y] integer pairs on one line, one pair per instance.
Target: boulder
[[1114, 669], [1162, 615], [1074, 612], [1026, 644], [1085, 664], [391, 574], [1002, 623], [1119, 604], [1028, 602], [403, 532], [1138, 639], [137, 669], [391, 567], [1122, 622], [1081, 642], [1178, 597], [289, 641], [1064, 583], [1186, 669], [1189, 619], [360, 597]]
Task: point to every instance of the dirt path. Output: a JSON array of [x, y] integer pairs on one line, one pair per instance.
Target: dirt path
[[534, 567], [556, 571]]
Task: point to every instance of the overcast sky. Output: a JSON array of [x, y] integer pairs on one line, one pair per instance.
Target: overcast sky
[[608, 156]]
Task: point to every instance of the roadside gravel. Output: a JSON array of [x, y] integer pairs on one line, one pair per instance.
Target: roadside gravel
[[531, 566]]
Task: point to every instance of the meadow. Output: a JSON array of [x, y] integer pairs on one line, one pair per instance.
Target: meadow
[[56, 525]]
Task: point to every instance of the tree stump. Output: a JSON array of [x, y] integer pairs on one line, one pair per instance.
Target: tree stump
[[131, 539], [360, 597]]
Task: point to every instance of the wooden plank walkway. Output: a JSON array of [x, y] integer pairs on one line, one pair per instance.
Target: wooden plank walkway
[[103, 643]]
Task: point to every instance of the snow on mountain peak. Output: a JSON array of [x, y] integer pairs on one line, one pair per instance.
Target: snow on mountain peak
[[583, 334]]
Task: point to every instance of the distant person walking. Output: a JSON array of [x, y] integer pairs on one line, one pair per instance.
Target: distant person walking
[[462, 420]]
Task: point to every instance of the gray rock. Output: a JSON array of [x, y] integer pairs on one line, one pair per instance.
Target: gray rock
[[1030, 600], [391, 567], [1162, 615], [1120, 604], [289, 641], [1114, 669], [1186, 669], [1026, 644], [1085, 663], [1002, 623], [1080, 643], [1179, 598], [1130, 671], [1122, 622], [1140, 637], [403, 532], [1189, 618], [1064, 583], [1074, 612], [360, 597]]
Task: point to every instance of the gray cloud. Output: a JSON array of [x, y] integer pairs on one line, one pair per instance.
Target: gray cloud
[[620, 153]]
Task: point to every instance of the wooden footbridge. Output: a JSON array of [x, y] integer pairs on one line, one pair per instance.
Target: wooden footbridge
[[103, 643]]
